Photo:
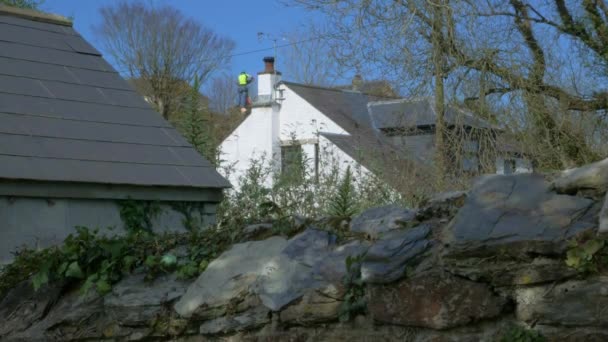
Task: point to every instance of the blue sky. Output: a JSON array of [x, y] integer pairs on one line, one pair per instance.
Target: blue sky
[[240, 20]]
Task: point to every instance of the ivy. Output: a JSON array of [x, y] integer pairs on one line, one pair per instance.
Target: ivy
[[587, 254], [204, 246], [138, 215], [354, 302], [94, 261], [192, 213], [520, 334]]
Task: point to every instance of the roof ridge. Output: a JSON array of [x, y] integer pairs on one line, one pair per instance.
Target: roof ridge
[[398, 100], [334, 89], [34, 15]]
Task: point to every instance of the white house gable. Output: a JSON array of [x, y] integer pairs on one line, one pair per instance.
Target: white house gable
[[298, 117]]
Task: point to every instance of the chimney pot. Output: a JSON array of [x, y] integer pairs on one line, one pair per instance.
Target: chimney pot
[[269, 64], [357, 82]]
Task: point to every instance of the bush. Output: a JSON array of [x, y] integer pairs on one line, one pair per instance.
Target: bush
[[265, 194], [95, 261]]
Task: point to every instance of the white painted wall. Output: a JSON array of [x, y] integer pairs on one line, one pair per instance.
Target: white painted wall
[[299, 117], [262, 132], [266, 83], [332, 155], [521, 165], [255, 138]]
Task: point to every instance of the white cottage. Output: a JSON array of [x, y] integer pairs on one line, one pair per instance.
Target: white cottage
[[351, 127]]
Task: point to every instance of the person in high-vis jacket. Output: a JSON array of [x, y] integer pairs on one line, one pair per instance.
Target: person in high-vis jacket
[[244, 80]]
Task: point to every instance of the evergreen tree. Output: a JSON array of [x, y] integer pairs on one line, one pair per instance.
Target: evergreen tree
[[195, 124], [29, 4], [344, 203]]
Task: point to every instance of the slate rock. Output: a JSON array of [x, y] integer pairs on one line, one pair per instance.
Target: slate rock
[[310, 246], [378, 220], [444, 204], [135, 301], [247, 320], [316, 306], [332, 268], [591, 176], [386, 259], [74, 316], [296, 263], [256, 231], [573, 334], [515, 209], [436, 301], [276, 270], [511, 272], [236, 271], [23, 306], [572, 303], [603, 218], [286, 281]]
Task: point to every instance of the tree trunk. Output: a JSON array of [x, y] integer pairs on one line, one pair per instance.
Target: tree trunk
[[438, 66]]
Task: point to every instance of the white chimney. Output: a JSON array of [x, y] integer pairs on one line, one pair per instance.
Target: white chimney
[[267, 80]]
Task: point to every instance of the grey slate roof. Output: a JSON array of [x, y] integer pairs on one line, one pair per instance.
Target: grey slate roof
[[348, 109], [404, 113], [377, 155], [66, 115]]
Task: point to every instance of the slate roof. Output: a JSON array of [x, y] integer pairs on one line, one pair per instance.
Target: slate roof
[[375, 154], [66, 115], [403, 113], [348, 109]]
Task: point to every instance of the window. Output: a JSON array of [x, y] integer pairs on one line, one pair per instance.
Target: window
[[470, 161], [317, 162], [509, 166], [292, 161]]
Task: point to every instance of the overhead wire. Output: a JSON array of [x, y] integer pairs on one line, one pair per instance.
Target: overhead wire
[[253, 51]]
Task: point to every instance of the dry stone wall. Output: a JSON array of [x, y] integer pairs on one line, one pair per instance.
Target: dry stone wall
[[489, 264]]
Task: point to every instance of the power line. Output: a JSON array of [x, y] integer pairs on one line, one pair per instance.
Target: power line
[[256, 51]]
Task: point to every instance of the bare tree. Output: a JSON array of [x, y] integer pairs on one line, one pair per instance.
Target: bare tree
[[309, 59], [536, 67], [162, 49], [222, 92]]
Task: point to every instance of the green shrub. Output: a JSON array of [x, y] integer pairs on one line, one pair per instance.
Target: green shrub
[[353, 302], [520, 334], [587, 254], [95, 261]]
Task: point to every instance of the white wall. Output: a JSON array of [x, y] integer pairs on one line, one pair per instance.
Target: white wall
[[299, 117], [262, 132], [256, 136], [521, 165], [330, 154]]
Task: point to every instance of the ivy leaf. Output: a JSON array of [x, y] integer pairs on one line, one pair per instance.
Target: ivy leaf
[[203, 265], [591, 247], [63, 267], [573, 258], [128, 262], [168, 260], [40, 279], [74, 271], [89, 283], [103, 287], [151, 261]]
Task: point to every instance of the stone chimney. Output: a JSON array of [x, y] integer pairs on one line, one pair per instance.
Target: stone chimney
[[267, 79], [357, 82], [269, 65]]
